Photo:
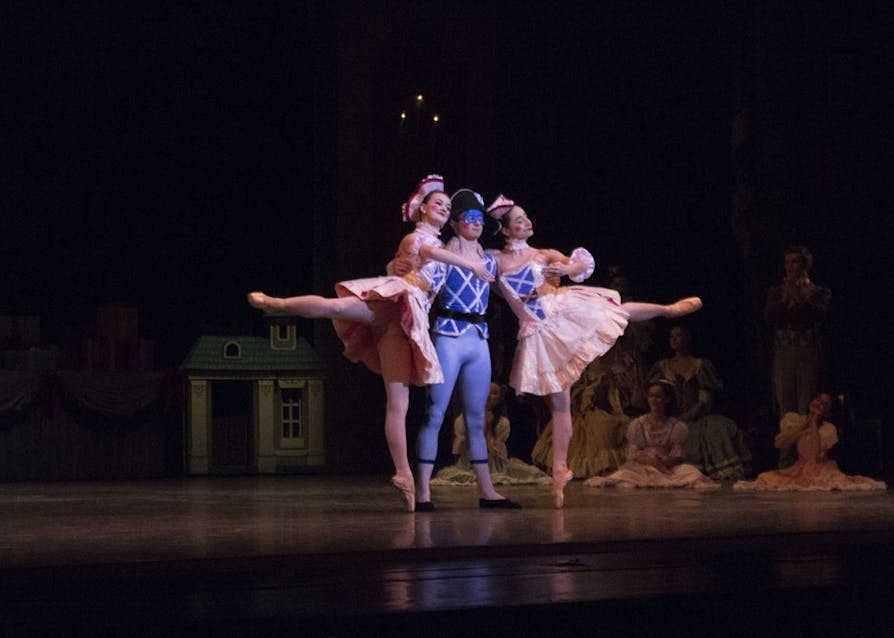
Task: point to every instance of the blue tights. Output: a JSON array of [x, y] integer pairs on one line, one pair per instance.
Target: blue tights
[[466, 360]]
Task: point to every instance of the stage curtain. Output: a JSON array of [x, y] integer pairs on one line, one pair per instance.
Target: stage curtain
[[20, 393], [113, 397]]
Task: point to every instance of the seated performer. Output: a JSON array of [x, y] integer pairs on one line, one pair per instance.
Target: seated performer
[[813, 436], [715, 444], [655, 449]]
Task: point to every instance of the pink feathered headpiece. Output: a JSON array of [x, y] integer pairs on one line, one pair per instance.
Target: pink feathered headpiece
[[500, 207], [410, 209]]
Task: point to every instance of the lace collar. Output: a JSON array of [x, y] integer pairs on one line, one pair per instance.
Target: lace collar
[[427, 229], [516, 245]]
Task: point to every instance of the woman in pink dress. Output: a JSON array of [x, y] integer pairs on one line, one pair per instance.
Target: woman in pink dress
[[561, 328], [813, 436], [383, 321], [655, 449]]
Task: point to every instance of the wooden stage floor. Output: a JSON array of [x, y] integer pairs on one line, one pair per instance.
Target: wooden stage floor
[[333, 555]]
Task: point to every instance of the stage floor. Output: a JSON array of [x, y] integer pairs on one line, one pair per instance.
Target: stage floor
[[334, 553]]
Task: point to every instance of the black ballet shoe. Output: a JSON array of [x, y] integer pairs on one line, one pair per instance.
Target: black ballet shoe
[[498, 504], [425, 506]]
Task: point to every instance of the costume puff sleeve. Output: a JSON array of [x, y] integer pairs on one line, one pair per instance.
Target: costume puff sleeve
[[828, 435], [415, 241], [584, 255], [707, 377], [791, 421], [636, 438]]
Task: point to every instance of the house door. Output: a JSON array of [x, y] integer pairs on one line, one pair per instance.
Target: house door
[[231, 422]]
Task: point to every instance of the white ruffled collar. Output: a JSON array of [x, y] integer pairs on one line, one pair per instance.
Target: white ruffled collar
[[516, 245], [427, 229]]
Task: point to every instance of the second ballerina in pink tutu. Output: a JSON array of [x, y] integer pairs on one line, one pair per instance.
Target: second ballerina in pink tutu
[[561, 328]]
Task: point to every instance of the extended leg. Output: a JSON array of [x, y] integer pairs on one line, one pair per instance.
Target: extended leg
[[316, 307], [643, 311]]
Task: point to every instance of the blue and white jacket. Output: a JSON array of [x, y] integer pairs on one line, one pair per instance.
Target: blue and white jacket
[[462, 300]]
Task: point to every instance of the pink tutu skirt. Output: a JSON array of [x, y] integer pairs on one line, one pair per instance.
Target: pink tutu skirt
[[361, 343], [582, 323]]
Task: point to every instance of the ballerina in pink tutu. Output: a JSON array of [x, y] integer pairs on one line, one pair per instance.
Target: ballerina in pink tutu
[[561, 328], [383, 321], [812, 435]]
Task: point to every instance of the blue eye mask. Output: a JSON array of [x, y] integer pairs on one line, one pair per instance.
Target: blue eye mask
[[473, 217]]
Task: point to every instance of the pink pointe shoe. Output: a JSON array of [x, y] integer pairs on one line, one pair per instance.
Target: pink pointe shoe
[[407, 488], [683, 307], [560, 480], [257, 300]]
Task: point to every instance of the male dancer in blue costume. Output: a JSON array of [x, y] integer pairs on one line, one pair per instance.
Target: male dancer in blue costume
[[460, 337]]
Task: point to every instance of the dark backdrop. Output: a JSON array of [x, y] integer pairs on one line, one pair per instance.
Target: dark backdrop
[[175, 156]]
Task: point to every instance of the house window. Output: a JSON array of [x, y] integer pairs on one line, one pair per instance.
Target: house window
[[282, 336], [232, 350], [292, 401]]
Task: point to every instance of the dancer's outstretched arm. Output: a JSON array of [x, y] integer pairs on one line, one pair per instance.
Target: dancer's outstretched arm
[[562, 265], [578, 266], [477, 266]]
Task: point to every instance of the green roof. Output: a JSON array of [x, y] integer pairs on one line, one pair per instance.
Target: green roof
[[255, 354]]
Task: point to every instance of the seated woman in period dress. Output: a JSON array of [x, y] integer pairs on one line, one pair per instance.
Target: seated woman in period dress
[[655, 449], [813, 436], [715, 444]]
